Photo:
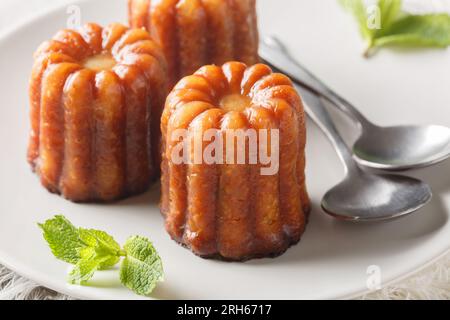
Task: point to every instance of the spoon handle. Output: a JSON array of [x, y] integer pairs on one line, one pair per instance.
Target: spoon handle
[[316, 110], [275, 53]]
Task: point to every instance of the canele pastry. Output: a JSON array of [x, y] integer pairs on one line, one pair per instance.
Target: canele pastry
[[194, 33], [96, 100], [232, 211]]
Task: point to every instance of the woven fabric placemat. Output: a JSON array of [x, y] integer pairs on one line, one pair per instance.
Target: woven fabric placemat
[[433, 283]]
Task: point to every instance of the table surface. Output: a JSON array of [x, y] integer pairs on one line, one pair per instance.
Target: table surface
[[431, 283]]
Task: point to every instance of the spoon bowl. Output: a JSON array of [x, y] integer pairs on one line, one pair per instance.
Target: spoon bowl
[[362, 197], [402, 147], [394, 148]]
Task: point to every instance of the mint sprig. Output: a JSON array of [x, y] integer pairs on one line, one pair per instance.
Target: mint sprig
[[92, 250], [398, 28]]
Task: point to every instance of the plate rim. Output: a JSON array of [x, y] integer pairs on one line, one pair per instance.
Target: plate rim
[[28, 272]]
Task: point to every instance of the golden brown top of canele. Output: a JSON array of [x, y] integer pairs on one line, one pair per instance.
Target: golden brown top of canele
[[245, 97], [235, 102], [100, 62], [102, 49]]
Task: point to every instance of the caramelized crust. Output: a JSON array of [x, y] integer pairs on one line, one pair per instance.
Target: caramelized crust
[[234, 228], [194, 33], [96, 100], [75, 179], [229, 210]]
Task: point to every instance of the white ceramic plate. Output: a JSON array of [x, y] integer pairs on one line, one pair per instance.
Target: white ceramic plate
[[333, 257]]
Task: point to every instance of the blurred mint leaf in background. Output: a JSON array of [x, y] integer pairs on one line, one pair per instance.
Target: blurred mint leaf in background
[[359, 11], [425, 30], [390, 10], [398, 28]]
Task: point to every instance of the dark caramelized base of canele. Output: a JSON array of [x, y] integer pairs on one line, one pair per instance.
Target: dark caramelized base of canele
[[95, 200], [256, 256]]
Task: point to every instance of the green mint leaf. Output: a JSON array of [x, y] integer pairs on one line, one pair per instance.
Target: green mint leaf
[[63, 239], [432, 30], [359, 11], [86, 253], [101, 253], [100, 244], [390, 10], [142, 268], [84, 270], [399, 28]]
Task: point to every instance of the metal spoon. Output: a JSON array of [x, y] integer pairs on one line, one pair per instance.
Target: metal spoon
[[363, 196], [388, 148]]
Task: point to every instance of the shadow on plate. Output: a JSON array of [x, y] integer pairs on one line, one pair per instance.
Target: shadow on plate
[[371, 239], [107, 279], [436, 177], [164, 291], [151, 197]]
